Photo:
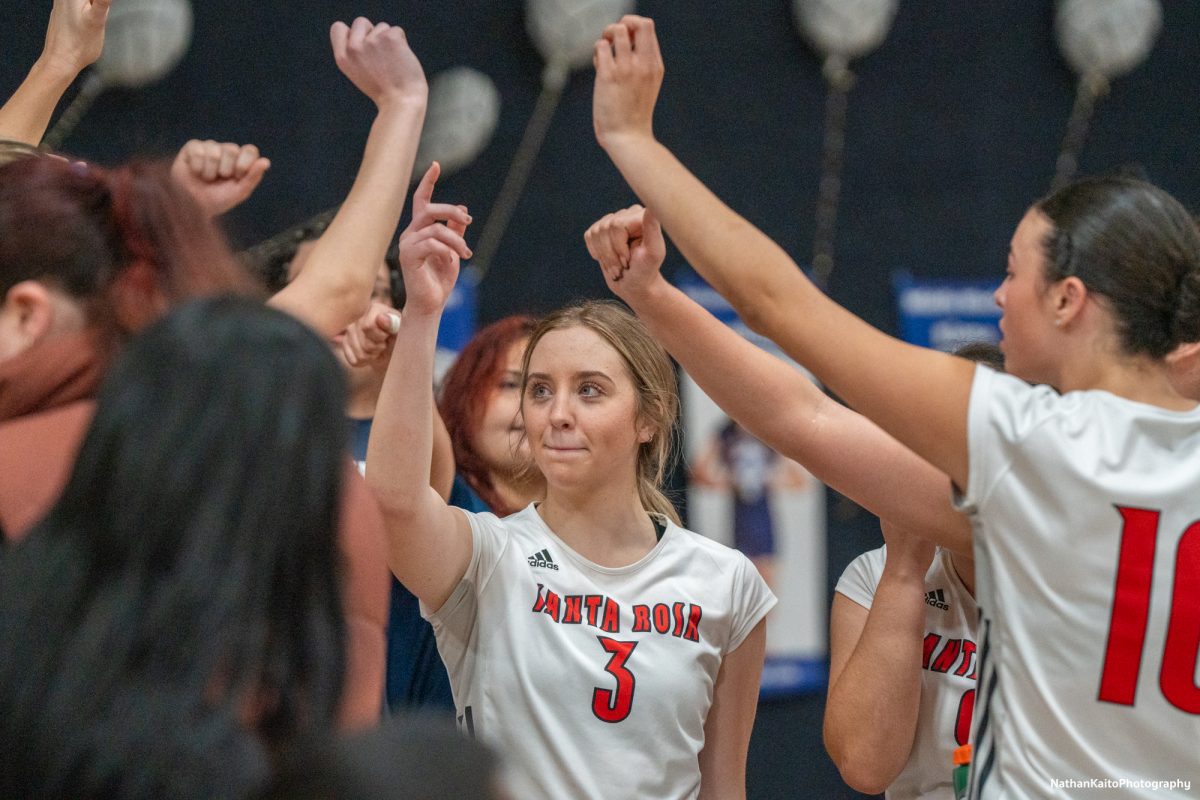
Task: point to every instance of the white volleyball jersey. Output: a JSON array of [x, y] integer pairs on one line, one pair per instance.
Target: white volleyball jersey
[[1086, 509], [593, 682], [947, 676]]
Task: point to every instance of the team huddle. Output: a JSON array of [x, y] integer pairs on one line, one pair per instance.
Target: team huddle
[[1038, 597]]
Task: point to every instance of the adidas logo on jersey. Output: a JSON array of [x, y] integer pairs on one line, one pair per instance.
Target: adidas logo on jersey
[[542, 559], [937, 599]]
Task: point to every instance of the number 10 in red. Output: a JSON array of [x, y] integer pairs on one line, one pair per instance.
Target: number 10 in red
[[1131, 609]]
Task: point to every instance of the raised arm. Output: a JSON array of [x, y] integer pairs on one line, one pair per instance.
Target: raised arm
[[74, 39], [917, 395], [770, 398], [335, 287], [429, 542], [875, 670], [219, 175]]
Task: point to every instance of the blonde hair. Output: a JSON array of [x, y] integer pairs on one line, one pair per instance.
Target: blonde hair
[[654, 383]]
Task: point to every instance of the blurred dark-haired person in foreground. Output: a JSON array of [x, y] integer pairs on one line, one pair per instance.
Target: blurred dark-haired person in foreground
[[176, 618]]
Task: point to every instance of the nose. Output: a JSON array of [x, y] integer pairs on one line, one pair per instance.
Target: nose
[[561, 413], [999, 294]]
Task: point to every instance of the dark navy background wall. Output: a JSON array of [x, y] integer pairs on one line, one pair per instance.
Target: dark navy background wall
[[953, 129]]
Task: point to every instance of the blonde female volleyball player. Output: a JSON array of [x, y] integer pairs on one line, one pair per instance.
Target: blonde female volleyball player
[[1084, 500], [606, 651]]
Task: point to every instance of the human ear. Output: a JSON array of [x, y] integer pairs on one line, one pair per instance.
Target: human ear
[[1070, 296], [26, 317]]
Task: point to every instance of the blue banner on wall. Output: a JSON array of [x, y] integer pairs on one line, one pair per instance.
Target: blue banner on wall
[[946, 314]]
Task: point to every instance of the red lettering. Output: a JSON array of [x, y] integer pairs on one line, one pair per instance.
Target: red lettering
[[551, 609], [641, 619], [662, 618], [677, 608], [540, 603], [692, 634], [968, 652], [948, 656], [931, 641], [612, 617], [573, 609], [592, 603]]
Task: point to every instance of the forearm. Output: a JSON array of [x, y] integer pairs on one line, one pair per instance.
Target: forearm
[[341, 270], [874, 702], [441, 469], [786, 411], [774, 298], [400, 449], [26, 115]]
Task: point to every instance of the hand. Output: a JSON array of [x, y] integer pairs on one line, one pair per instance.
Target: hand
[[75, 35], [630, 248], [378, 60], [629, 73], [907, 554], [430, 250], [370, 337], [219, 176]]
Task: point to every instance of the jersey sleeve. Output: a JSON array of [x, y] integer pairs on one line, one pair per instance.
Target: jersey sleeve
[[752, 599], [489, 538], [1002, 413], [861, 577]]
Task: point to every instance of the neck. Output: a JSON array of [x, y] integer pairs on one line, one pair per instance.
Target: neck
[[965, 569], [516, 492], [607, 527], [1137, 378]]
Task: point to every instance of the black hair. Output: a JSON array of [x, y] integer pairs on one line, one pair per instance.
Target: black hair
[[272, 258], [1136, 246], [186, 578], [986, 353]]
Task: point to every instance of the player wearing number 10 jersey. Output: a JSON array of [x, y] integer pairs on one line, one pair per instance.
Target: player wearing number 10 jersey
[[1087, 548], [595, 681]]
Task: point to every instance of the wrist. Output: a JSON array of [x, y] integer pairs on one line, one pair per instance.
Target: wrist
[[628, 139], [647, 296], [407, 101], [55, 70]]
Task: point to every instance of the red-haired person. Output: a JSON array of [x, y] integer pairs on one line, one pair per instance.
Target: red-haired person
[[481, 406]]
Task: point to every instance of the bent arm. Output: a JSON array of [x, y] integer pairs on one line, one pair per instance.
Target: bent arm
[[875, 680], [429, 542], [916, 395], [786, 411], [731, 719], [74, 39], [334, 288]]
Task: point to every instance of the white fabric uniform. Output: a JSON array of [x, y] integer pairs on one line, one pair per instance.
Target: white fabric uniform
[[1049, 477], [947, 675], [593, 682]]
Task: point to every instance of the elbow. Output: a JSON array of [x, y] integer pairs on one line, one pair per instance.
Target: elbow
[[862, 767]]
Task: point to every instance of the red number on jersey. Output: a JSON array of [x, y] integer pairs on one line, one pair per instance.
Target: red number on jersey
[[607, 705], [1131, 608], [962, 723]]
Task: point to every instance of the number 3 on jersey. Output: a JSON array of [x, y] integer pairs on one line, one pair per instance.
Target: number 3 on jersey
[[1131, 610], [609, 705]]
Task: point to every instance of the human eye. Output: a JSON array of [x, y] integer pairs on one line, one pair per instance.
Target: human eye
[[590, 390], [538, 391]]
